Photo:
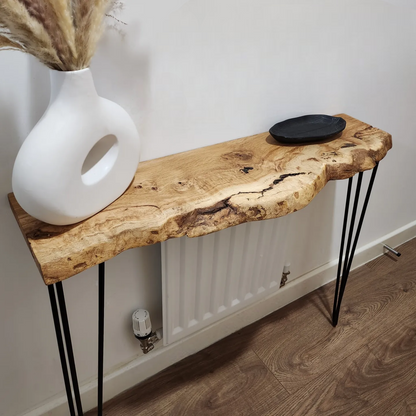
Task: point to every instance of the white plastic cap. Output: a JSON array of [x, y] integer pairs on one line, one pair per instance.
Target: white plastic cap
[[142, 326]]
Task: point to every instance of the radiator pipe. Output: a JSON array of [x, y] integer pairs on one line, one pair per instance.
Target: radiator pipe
[[392, 250]]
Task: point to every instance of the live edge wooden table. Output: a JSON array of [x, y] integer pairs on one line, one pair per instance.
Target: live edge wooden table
[[196, 193]]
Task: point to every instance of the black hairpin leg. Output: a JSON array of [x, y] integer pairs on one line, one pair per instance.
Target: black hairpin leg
[[350, 251], [101, 283], [59, 340], [68, 346], [66, 353]]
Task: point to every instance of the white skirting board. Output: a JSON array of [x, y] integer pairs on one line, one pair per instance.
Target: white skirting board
[[143, 367]]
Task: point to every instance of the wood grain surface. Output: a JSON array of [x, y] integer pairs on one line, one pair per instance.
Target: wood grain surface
[[312, 368], [202, 387], [406, 407], [319, 346], [202, 191]]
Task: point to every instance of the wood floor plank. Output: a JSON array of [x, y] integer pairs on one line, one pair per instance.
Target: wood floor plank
[[307, 345], [335, 392], [365, 383], [374, 307], [406, 407], [215, 381], [395, 367], [361, 384]]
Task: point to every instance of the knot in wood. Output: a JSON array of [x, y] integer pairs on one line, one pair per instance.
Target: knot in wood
[[238, 156]]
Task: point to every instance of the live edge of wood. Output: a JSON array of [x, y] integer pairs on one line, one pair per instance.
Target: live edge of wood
[[201, 191]]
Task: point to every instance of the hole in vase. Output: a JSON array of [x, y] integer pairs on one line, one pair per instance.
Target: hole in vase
[[100, 160]]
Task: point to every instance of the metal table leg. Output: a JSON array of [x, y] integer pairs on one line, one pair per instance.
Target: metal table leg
[[66, 353], [68, 346], [345, 264], [59, 340], [101, 284]]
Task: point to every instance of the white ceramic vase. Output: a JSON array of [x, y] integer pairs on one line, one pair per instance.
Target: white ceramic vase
[[81, 155]]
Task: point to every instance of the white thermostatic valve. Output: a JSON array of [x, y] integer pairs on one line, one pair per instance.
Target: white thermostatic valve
[[142, 326]]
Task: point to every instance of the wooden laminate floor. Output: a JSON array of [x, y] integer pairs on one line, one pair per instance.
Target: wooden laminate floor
[[293, 362]]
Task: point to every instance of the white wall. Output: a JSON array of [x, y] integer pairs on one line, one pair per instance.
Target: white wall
[[194, 73]]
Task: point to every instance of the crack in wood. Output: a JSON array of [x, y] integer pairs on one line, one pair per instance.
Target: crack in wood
[[200, 216], [219, 206], [287, 175], [275, 182], [225, 203]]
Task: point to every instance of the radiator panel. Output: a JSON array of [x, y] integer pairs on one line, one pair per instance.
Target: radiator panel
[[207, 278]]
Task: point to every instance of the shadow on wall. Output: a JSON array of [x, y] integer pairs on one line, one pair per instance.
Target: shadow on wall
[[311, 232], [39, 91], [16, 125], [10, 144], [122, 75], [19, 114]]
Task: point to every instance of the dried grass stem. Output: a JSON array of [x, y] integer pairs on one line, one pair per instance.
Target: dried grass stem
[[62, 34]]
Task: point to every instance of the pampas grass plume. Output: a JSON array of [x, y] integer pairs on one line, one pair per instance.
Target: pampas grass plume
[[62, 34], [6, 43]]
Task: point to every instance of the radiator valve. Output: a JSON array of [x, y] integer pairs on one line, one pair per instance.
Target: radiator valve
[[285, 274], [142, 328]]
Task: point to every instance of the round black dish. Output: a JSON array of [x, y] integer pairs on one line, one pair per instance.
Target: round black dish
[[305, 129]]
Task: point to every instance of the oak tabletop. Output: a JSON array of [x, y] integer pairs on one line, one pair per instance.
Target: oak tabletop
[[202, 191]]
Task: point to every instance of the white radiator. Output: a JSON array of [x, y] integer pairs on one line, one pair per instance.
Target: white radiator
[[207, 278]]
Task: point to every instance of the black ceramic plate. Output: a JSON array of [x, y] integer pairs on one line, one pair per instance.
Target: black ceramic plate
[[305, 129]]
